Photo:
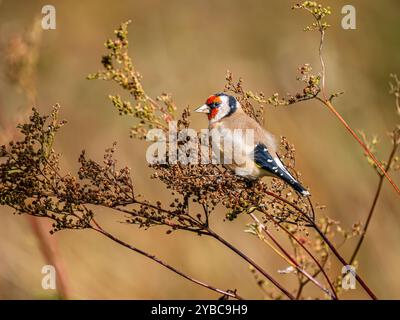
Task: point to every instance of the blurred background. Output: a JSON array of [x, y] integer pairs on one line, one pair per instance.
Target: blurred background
[[185, 48]]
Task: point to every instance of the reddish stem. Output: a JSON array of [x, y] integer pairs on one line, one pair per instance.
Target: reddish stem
[[48, 247], [361, 143]]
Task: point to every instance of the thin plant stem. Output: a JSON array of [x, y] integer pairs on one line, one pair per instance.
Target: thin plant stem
[[304, 283], [374, 202], [208, 232], [328, 104], [293, 261], [319, 265], [323, 69], [250, 261], [100, 230], [49, 248], [341, 259], [321, 268], [326, 240]]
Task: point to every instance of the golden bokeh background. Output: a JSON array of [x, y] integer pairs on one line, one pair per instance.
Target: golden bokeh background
[[185, 48]]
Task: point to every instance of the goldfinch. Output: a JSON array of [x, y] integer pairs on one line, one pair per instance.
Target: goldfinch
[[258, 158]]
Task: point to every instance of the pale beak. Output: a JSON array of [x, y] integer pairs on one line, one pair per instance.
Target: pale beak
[[204, 108]]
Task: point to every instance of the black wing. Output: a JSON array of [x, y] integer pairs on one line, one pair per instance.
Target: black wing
[[264, 160]]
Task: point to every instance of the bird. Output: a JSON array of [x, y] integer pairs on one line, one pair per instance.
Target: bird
[[258, 158]]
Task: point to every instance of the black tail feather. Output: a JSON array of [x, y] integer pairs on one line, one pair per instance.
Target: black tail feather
[[275, 166]]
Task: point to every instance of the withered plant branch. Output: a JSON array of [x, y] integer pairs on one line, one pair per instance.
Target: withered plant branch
[[327, 241], [206, 213], [312, 208], [204, 229], [250, 261], [228, 293], [375, 201], [302, 284], [198, 229], [49, 249], [293, 205], [319, 12], [323, 263], [322, 64], [329, 105], [340, 258], [293, 237], [292, 260], [21, 55], [343, 261]]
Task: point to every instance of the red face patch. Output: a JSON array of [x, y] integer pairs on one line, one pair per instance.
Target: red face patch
[[212, 113], [213, 99]]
